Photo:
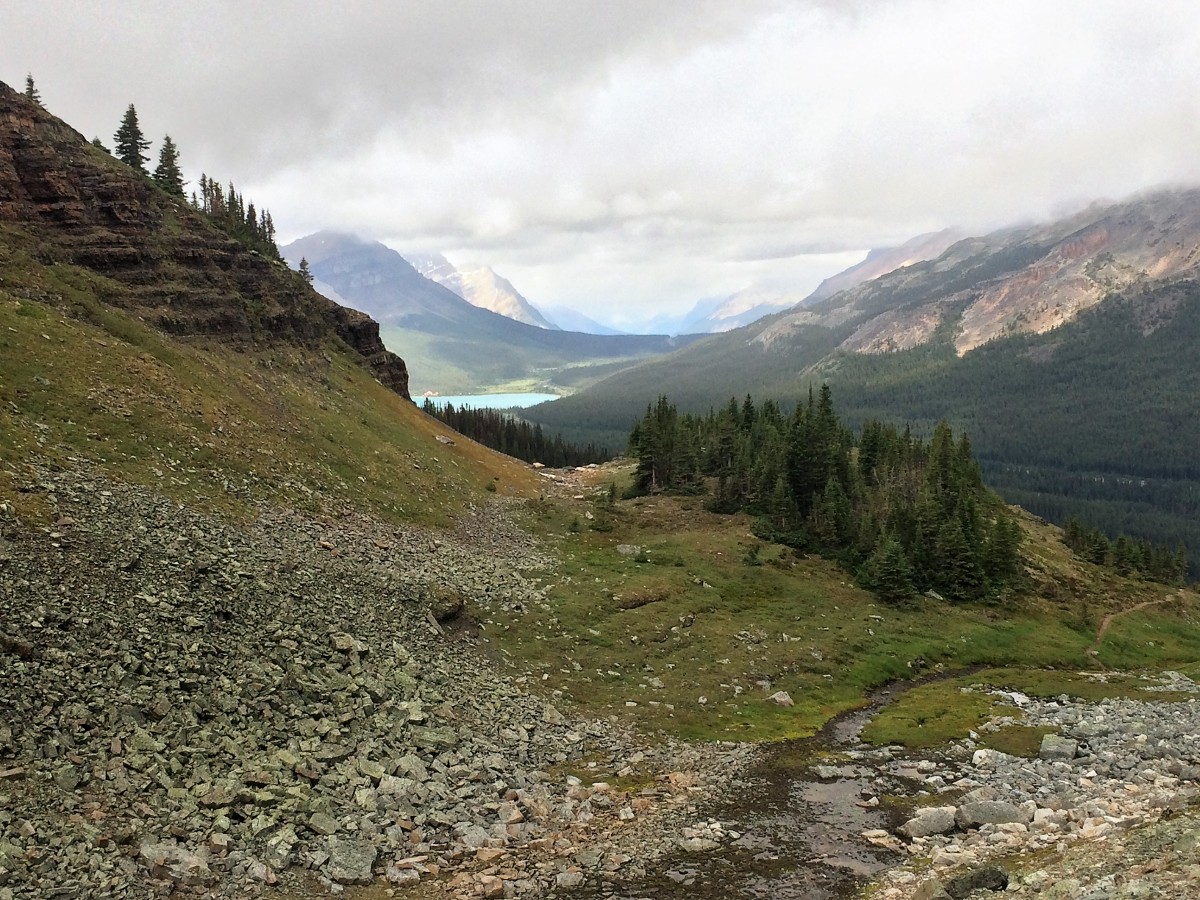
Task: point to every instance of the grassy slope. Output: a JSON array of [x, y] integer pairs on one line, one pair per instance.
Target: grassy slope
[[688, 618], [79, 379]]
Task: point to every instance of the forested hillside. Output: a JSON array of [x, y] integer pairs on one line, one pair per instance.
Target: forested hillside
[[1098, 419], [905, 515]]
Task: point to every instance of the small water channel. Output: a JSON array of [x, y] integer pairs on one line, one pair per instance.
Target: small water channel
[[800, 819]]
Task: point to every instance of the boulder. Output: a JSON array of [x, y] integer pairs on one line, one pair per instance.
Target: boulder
[[929, 821], [1057, 747], [990, 878], [987, 812], [930, 890], [351, 860]]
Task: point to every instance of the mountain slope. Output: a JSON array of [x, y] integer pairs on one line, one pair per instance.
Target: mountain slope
[[137, 337], [76, 205], [1061, 347], [480, 286], [887, 259], [571, 320], [735, 311], [453, 346]]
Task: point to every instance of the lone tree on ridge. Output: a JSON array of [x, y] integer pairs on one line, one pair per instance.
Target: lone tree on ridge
[[130, 142]]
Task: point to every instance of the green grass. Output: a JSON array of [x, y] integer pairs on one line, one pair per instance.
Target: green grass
[[1017, 740], [933, 714], [204, 423], [685, 618]]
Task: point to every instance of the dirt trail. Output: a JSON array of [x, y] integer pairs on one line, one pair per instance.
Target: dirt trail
[[1103, 629]]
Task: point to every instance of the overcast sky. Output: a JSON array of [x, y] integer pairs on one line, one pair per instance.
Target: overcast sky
[[627, 156]]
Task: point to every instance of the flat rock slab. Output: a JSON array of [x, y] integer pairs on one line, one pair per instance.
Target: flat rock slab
[[987, 812], [351, 860], [1055, 746]]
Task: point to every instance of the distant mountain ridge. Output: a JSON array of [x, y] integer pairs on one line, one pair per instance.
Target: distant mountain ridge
[[1016, 280], [572, 320], [456, 347], [480, 286], [735, 311], [883, 260]]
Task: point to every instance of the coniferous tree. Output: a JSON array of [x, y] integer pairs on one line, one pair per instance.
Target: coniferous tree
[[31, 90], [887, 572], [96, 142], [129, 142], [167, 174], [307, 275]]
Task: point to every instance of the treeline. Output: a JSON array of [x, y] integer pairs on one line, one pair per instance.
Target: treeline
[[228, 209], [905, 515], [514, 437], [1126, 555], [237, 217]]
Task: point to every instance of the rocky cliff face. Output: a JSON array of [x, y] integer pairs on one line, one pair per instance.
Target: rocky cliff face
[[71, 203]]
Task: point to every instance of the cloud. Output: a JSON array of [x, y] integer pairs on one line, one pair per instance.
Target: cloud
[[624, 154]]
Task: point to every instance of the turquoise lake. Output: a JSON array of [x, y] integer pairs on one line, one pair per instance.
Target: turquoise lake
[[488, 401]]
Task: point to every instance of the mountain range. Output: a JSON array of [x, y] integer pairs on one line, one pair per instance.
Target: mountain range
[[480, 286], [452, 346]]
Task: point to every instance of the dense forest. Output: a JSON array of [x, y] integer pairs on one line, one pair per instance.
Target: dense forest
[[906, 515], [1126, 555], [514, 437]]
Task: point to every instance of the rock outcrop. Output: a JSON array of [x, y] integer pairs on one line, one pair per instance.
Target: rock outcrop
[[64, 201]]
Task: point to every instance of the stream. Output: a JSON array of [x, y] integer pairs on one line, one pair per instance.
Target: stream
[[799, 820]]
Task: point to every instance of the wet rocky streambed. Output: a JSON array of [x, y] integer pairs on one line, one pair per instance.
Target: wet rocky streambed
[[817, 819], [795, 828]]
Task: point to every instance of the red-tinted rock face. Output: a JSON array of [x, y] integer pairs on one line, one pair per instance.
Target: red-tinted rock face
[[182, 274]]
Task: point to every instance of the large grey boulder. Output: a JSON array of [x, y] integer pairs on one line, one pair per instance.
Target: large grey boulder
[[987, 812], [987, 878], [1055, 746], [929, 821]]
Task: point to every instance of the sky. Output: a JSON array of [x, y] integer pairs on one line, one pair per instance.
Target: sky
[[630, 157]]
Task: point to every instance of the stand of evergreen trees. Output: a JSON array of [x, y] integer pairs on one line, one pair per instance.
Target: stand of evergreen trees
[[1126, 555], [906, 515], [237, 218], [514, 437]]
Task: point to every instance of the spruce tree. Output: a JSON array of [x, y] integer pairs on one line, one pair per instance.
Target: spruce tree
[[130, 142], [305, 273], [96, 142], [31, 90], [888, 573], [167, 175]]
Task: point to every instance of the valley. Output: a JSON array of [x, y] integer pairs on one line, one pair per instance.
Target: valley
[[269, 630]]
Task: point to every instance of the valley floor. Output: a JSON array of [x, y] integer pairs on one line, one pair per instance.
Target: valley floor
[[205, 706]]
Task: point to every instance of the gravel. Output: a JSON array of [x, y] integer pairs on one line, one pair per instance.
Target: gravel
[[194, 704], [1111, 777]]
